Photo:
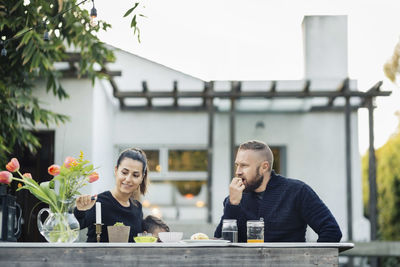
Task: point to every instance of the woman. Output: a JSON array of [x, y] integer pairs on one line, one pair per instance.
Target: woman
[[118, 204]]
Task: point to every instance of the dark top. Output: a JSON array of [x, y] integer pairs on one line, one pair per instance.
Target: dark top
[[111, 212], [287, 206]]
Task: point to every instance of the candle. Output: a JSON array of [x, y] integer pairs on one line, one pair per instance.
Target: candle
[[98, 213]]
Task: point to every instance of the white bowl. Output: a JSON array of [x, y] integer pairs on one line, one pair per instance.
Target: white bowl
[[170, 237]]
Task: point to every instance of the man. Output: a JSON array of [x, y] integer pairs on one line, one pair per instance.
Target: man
[[286, 205]]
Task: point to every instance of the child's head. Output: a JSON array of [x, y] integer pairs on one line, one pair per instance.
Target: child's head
[[154, 225]]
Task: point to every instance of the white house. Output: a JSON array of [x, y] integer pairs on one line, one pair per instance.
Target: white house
[[310, 146]]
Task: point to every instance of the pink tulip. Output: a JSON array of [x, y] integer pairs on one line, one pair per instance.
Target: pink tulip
[[5, 177], [13, 165], [69, 162], [27, 175], [54, 170], [93, 177]]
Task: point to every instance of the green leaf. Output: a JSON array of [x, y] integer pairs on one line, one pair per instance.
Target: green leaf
[[130, 10], [133, 23], [15, 7], [45, 186]]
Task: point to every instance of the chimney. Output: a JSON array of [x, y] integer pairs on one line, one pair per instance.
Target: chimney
[[325, 47]]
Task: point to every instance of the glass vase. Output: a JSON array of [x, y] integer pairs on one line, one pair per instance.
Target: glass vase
[[59, 227]]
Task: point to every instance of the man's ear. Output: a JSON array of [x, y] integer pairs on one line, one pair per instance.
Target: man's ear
[[265, 166]]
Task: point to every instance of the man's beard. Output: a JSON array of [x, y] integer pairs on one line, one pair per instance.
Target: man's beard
[[258, 179]]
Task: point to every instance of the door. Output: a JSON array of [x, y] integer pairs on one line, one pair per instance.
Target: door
[[37, 165]]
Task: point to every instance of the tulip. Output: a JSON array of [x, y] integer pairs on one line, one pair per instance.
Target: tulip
[[69, 162], [93, 177], [27, 175], [13, 165], [54, 170], [5, 177]]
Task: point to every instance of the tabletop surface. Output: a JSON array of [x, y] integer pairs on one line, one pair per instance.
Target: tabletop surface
[[340, 246]]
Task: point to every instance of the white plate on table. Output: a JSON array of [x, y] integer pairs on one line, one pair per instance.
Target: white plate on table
[[205, 241]]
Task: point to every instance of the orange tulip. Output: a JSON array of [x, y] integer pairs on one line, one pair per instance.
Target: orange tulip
[[69, 162], [5, 177], [13, 165], [27, 175], [19, 185], [54, 170], [93, 177]]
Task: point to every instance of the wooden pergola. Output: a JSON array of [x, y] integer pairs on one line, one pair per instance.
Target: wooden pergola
[[235, 94]]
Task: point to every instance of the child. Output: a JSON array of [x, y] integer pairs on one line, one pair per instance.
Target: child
[[154, 225]]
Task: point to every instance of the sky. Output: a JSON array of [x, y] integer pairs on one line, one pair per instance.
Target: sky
[[261, 40]]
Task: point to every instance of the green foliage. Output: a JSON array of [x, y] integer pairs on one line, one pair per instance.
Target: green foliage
[[30, 58], [388, 188], [119, 224], [70, 179], [134, 22]]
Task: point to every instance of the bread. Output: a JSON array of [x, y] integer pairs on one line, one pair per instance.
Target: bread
[[199, 236]]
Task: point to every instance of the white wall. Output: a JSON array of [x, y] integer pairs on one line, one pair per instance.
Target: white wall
[[136, 69], [160, 128], [104, 109], [76, 134]]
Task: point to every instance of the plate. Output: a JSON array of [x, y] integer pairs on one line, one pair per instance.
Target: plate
[[204, 241]]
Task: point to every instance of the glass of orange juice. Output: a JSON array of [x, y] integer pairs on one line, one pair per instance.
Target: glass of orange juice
[[255, 231]]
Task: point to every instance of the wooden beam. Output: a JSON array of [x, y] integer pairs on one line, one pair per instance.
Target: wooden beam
[[306, 88], [166, 108], [250, 94], [112, 73], [145, 91], [73, 73], [349, 191], [376, 87], [333, 108], [345, 86], [175, 93], [73, 57], [272, 89], [209, 87], [373, 196]]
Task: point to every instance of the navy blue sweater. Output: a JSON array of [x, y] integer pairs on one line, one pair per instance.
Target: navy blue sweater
[[111, 212], [287, 207]]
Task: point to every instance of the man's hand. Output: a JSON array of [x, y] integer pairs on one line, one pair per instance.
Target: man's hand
[[236, 190], [85, 202]]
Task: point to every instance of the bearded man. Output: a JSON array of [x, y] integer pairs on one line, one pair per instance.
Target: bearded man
[[286, 205]]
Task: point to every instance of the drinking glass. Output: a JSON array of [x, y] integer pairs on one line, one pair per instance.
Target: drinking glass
[[255, 231], [230, 230]]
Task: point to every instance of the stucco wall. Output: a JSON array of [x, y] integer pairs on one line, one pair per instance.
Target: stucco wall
[[76, 134]]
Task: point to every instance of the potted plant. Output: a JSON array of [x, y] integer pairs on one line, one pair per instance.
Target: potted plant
[[118, 233]]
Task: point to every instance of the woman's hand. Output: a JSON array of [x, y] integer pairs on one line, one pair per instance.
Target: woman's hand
[[85, 202]]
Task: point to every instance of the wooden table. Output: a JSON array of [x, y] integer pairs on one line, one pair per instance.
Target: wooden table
[[171, 254]]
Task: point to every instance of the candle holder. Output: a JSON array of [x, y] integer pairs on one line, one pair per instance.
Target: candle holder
[[98, 231]]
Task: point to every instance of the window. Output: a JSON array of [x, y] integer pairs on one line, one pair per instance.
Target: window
[[278, 165], [187, 160], [153, 159]]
